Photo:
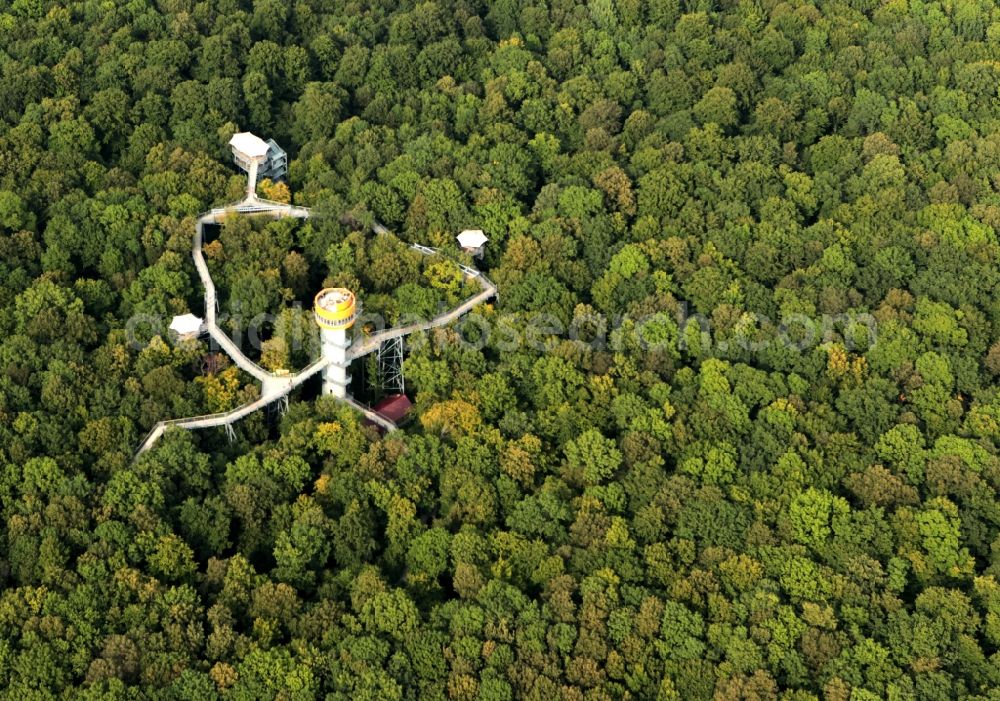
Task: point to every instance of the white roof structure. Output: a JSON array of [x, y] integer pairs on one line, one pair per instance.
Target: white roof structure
[[249, 145], [186, 324], [472, 238]]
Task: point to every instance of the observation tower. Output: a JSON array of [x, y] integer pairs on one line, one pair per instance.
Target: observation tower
[[336, 311]]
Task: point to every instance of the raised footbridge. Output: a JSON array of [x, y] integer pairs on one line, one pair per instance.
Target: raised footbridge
[[277, 386]]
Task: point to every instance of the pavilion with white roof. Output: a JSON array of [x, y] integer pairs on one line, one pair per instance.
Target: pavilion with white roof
[[186, 326], [472, 241]]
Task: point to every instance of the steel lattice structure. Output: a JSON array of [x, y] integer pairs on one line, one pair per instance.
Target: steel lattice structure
[[389, 362]]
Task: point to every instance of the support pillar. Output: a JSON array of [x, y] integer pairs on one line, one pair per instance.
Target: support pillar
[[252, 179]]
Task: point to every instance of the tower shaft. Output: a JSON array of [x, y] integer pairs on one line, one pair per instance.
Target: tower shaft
[[336, 375]]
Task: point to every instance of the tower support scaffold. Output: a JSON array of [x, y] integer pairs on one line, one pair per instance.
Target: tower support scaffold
[[389, 361]]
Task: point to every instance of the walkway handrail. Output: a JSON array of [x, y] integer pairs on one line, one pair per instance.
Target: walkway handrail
[[309, 370], [157, 427], [219, 414]]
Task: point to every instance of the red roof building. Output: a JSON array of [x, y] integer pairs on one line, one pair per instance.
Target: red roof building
[[395, 407]]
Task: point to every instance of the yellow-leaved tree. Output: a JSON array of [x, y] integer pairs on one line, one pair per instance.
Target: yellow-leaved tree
[[450, 417], [276, 192], [220, 389]]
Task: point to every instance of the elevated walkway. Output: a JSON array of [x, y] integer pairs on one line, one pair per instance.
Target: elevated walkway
[[372, 342], [275, 387]]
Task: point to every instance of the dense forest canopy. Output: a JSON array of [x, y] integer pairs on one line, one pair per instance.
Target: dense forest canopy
[[745, 509]]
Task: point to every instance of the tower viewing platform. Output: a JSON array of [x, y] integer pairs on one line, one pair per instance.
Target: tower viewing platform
[[258, 158], [335, 308]]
